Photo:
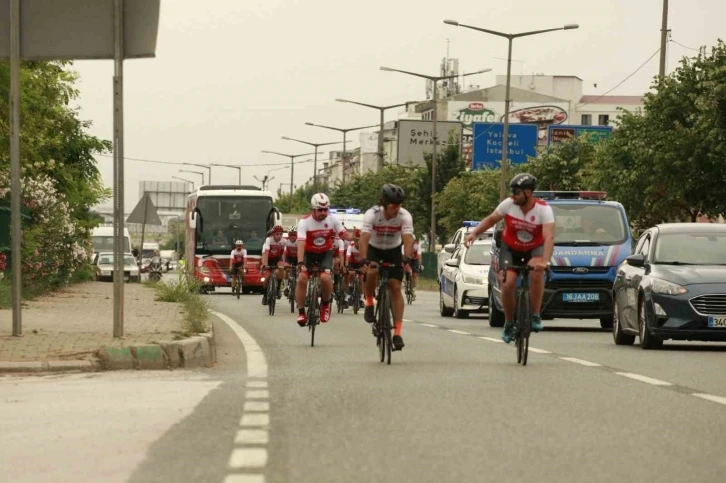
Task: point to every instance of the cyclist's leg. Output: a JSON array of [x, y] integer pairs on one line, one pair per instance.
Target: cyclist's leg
[[369, 287], [395, 277], [300, 292], [509, 290], [280, 280], [326, 282], [415, 267], [536, 290]]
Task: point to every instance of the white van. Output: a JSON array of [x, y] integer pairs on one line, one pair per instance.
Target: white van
[[102, 239]]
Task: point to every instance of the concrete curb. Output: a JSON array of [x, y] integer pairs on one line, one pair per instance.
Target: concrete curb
[[192, 352]]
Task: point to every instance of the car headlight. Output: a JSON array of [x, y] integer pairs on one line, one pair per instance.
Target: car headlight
[[471, 279], [667, 288]]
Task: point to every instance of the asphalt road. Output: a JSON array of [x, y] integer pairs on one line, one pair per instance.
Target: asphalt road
[[452, 407]]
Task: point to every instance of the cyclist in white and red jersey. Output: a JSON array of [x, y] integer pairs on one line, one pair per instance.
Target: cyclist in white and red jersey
[[289, 256], [237, 259], [416, 266], [528, 238], [385, 228], [352, 263], [272, 252], [316, 245]]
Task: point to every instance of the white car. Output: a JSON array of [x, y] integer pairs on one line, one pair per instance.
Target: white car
[[457, 240], [103, 267], [464, 282]]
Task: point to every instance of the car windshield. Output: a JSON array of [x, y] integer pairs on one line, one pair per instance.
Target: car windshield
[[103, 243], [691, 248], [227, 219], [108, 260], [478, 254], [579, 223]]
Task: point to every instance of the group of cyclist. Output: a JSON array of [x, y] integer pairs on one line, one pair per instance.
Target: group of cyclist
[[386, 236]]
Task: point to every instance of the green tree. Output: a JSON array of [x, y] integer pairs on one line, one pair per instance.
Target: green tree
[[470, 196], [563, 166]]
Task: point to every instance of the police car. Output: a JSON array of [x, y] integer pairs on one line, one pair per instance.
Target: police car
[[457, 240], [464, 285]]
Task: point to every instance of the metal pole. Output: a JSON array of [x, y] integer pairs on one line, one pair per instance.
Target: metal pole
[[505, 135], [380, 141], [315, 170], [432, 242], [239, 172], [292, 170], [118, 179], [143, 229], [663, 39], [344, 153], [16, 227]]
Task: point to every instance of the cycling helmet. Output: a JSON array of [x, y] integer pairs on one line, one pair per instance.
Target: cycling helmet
[[292, 229], [523, 181], [239, 243], [277, 229], [391, 193], [320, 200]]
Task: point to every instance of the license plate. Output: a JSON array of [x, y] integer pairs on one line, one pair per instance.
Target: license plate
[[580, 297], [717, 322]]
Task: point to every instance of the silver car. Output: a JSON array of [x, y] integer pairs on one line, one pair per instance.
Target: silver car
[[103, 267]]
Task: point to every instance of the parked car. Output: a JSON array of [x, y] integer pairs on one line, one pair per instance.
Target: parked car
[[673, 286], [457, 240], [103, 267], [464, 286]]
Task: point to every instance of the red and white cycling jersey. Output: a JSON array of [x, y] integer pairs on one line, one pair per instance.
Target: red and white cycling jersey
[[386, 234], [238, 256], [416, 253], [273, 248], [319, 236], [352, 254], [523, 232], [290, 249]]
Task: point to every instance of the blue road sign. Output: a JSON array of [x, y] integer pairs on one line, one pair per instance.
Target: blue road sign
[[488, 144]]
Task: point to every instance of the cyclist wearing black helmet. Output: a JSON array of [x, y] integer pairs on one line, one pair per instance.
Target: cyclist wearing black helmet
[[385, 228], [528, 238]]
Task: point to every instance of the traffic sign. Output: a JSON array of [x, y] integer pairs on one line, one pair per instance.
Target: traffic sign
[[558, 134], [487, 143]]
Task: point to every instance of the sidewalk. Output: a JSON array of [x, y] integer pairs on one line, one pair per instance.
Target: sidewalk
[[73, 324]]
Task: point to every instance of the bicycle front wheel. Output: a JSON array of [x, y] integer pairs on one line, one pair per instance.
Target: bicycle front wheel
[[356, 295], [272, 295], [523, 329]]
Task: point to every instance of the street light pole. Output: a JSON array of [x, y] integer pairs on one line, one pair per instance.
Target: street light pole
[[434, 150], [202, 166], [315, 162], [185, 180], [238, 168], [292, 163], [345, 132], [508, 100], [663, 40], [194, 172]]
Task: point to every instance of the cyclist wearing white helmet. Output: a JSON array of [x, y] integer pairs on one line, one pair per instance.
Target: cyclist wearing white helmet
[[272, 252], [316, 234], [237, 259]]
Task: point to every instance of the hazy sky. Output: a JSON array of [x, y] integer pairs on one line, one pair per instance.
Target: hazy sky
[[232, 76]]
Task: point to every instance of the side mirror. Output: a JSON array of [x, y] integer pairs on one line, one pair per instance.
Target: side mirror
[[449, 248], [636, 260], [193, 219], [452, 262]]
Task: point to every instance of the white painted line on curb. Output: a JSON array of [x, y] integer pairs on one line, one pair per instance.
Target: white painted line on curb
[[430, 325], [254, 420], [257, 384], [257, 406], [709, 397], [408, 320], [261, 394], [581, 362], [645, 379], [245, 479], [256, 362], [252, 436], [539, 351], [458, 332], [248, 458], [492, 339]]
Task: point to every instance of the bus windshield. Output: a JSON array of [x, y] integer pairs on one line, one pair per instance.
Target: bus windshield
[[105, 244], [227, 219]]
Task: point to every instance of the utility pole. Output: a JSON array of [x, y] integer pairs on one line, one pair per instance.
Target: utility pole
[[663, 39]]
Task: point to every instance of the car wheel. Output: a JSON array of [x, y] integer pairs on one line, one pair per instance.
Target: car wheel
[[496, 317], [458, 313], [647, 340], [620, 337], [443, 309]]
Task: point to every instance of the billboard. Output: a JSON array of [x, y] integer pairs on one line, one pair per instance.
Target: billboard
[[415, 138], [488, 137], [561, 133]]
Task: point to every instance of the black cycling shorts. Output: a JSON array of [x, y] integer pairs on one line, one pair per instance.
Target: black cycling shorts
[[392, 256], [236, 267], [272, 262], [510, 257], [324, 260]]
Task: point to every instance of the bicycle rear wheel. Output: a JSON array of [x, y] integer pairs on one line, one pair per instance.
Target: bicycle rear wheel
[[356, 294], [312, 304], [292, 286], [238, 288]]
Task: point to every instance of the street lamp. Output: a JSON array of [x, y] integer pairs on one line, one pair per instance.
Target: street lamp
[[202, 166], [292, 163], [507, 101], [435, 80], [185, 180], [382, 109], [265, 180], [195, 172], [315, 162], [238, 168], [345, 133]]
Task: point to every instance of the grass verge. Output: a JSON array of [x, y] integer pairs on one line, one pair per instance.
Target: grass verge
[[429, 284], [186, 292]]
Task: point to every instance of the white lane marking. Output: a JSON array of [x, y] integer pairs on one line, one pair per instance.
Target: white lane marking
[[248, 458], [257, 384], [263, 394], [581, 362], [430, 325], [252, 436], [253, 420], [645, 379], [539, 351], [257, 406], [256, 362], [458, 332], [240, 478], [407, 320], [709, 397], [492, 339]]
